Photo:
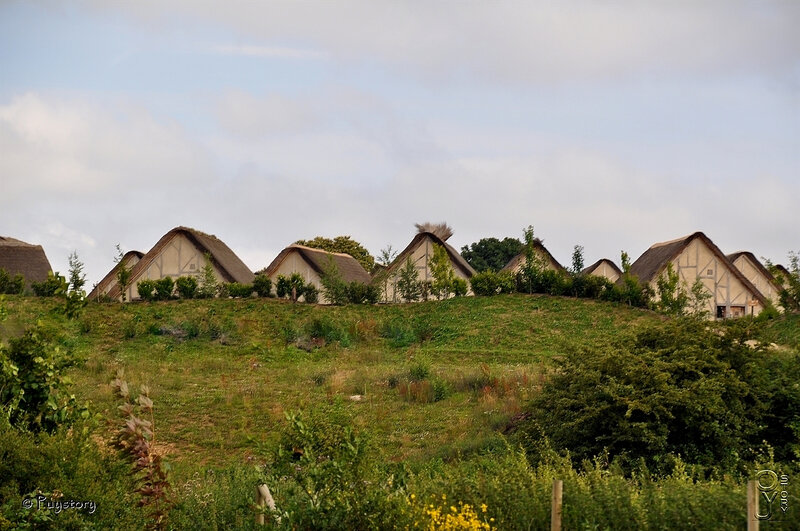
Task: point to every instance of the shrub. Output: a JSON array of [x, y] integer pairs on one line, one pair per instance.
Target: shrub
[[11, 285], [399, 333], [677, 389], [285, 285], [54, 285], [208, 280], [164, 288], [358, 293], [242, 291], [34, 387], [187, 287], [146, 289], [420, 370], [262, 285], [459, 287], [310, 294], [492, 283], [442, 273]]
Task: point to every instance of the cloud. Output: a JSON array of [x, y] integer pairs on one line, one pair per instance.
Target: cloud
[[271, 52], [541, 42]]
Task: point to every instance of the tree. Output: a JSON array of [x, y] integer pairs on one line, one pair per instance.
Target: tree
[[408, 282], [208, 280], [77, 278], [577, 260], [342, 244], [333, 285], [531, 271], [442, 273], [491, 253], [123, 273]]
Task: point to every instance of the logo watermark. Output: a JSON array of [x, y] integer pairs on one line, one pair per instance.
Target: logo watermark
[[40, 502], [773, 495]]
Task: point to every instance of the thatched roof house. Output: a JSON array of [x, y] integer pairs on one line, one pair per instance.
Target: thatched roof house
[[604, 268], [516, 263], [420, 250], [696, 257], [312, 263], [129, 259], [181, 252], [28, 260], [757, 274]]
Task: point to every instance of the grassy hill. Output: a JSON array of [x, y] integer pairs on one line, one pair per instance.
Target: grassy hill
[[426, 379]]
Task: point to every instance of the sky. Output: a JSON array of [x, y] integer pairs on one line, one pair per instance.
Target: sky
[[611, 125]]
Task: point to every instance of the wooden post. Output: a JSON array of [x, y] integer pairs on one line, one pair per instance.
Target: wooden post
[[264, 497], [752, 505], [555, 509]]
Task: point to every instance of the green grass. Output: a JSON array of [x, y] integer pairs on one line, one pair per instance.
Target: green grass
[[222, 373]]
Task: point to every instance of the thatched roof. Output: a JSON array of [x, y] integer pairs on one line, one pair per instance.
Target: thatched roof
[[515, 262], [18, 257], [455, 257], [588, 270], [758, 265], [442, 230], [227, 263], [349, 268], [111, 278], [653, 261], [783, 272]]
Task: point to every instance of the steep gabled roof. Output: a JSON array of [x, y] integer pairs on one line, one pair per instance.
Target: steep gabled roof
[[538, 246], [111, 277], [757, 263], [595, 265], [349, 268], [18, 257], [654, 260], [455, 257], [227, 263]]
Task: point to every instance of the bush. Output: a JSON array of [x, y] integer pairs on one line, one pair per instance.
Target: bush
[[329, 330], [187, 287], [678, 389], [399, 333], [285, 285], [54, 285], [358, 293], [34, 387], [242, 291], [11, 285], [262, 285], [164, 288], [492, 283], [146, 289], [310, 294], [459, 287]]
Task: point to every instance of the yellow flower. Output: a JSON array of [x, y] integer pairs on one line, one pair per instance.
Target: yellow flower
[[483, 507]]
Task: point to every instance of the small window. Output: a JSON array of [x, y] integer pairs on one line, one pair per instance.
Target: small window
[[191, 267], [710, 272]]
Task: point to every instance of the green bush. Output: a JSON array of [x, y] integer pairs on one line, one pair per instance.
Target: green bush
[[492, 283], [164, 288], [310, 294], [241, 291], [358, 293], [146, 289], [682, 388], [11, 285], [459, 287], [262, 285], [187, 287], [54, 285], [285, 284], [34, 387]]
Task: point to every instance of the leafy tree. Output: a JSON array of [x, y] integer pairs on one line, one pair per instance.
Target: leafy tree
[[672, 297], [333, 285], [77, 278], [577, 260], [55, 284], [790, 284], [442, 273], [208, 280], [123, 273], [342, 244], [531, 271], [408, 282], [491, 253]]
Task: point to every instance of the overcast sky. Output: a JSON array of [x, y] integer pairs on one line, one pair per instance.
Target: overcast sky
[[609, 125]]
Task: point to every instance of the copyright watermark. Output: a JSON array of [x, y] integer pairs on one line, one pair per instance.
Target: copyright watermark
[[773, 495], [41, 502]]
